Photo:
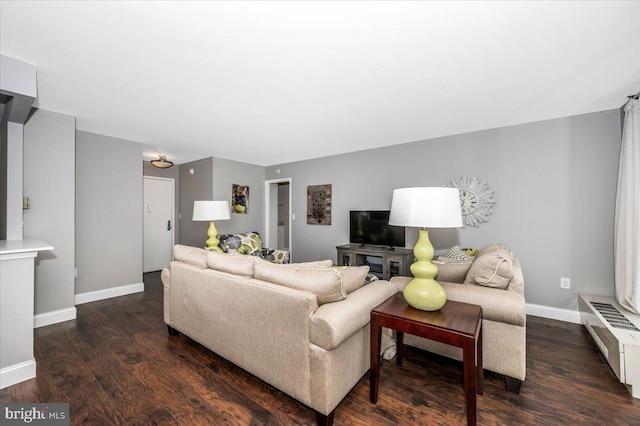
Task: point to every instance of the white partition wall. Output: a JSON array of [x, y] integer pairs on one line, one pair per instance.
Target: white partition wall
[[17, 362]]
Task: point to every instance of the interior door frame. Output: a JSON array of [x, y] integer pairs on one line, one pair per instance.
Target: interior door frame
[[267, 209], [173, 212]]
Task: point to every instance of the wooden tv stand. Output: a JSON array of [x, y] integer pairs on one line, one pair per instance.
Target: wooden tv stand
[[392, 262]]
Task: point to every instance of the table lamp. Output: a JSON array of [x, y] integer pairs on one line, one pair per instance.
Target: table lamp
[[431, 207], [211, 210]]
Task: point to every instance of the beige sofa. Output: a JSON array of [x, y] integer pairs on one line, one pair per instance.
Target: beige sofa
[[303, 328], [492, 279]]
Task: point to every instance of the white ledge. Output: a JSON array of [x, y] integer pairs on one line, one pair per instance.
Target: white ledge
[[12, 247]]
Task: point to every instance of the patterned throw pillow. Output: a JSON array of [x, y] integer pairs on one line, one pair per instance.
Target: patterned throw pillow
[[245, 243], [456, 253], [276, 256], [370, 278]]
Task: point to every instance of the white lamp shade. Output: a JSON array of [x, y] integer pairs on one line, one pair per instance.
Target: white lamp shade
[[211, 210], [430, 207]]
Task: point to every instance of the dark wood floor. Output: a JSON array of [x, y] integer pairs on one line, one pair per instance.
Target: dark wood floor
[[115, 364]]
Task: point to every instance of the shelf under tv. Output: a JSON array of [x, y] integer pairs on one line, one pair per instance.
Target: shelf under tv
[[382, 261]]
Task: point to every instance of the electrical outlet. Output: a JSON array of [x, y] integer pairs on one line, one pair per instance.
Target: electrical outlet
[[565, 283]]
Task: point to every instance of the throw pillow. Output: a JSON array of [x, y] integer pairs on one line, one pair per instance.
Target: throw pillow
[[244, 243], [193, 255], [325, 283], [353, 277], [492, 268], [452, 271], [371, 278], [276, 256], [456, 253], [492, 248]]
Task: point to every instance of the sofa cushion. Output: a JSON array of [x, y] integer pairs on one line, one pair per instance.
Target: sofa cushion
[[353, 277], [193, 255], [232, 264], [493, 267], [318, 263], [325, 283], [453, 271]]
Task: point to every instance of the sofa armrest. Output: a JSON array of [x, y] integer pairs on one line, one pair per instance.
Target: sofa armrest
[[517, 282], [400, 282], [165, 276], [333, 323], [497, 305]]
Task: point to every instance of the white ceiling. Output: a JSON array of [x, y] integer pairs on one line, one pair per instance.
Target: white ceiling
[[275, 82]]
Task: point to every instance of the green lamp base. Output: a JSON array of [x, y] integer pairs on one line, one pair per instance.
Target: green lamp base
[[213, 243], [423, 292]]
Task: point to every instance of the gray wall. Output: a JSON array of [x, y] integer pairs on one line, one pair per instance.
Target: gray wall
[[225, 174], [49, 182], [196, 186], [3, 176], [15, 178], [109, 231], [554, 182], [212, 179], [170, 173]]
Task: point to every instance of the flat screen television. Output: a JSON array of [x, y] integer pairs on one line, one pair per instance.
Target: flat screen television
[[371, 227]]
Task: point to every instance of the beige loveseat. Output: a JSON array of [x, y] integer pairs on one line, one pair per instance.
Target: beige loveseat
[[303, 328], [492, 279]]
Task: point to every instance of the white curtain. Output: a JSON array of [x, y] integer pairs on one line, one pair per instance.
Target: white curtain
[[627, 215]]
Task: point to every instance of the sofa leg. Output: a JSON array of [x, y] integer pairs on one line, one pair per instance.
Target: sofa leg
[[512, 385], [325, 420], [172, 331]]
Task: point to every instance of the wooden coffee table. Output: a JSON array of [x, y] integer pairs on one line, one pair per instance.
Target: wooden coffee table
[[457, 324]]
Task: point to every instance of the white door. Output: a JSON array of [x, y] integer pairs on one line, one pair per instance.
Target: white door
[[158, 222]]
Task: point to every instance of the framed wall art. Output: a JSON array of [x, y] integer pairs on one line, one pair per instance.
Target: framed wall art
[[476, 200], [319, 205], [240, 199]]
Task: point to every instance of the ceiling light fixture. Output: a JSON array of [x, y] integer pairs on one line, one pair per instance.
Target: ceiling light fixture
[[162, 162]]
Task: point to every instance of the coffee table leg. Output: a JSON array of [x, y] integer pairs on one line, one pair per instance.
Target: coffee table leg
[[374, 371], [479, 367], [399, 347], [470, 378]]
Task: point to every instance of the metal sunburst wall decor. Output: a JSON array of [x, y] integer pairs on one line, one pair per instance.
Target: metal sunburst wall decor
[[476, 199]]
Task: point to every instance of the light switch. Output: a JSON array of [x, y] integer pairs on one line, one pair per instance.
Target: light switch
[[149, 207], [26, 203]]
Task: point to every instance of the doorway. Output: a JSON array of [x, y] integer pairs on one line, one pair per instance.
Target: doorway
[[158, 213], [278, 214]]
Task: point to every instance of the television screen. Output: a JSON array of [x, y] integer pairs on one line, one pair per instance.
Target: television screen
[[372, 227]]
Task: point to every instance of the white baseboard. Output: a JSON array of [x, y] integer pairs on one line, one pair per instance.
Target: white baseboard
[[566, 315], [108, 293], [17, 373], [54, 317]]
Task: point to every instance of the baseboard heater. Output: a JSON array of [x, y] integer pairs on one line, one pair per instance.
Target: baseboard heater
[[616, 332]]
